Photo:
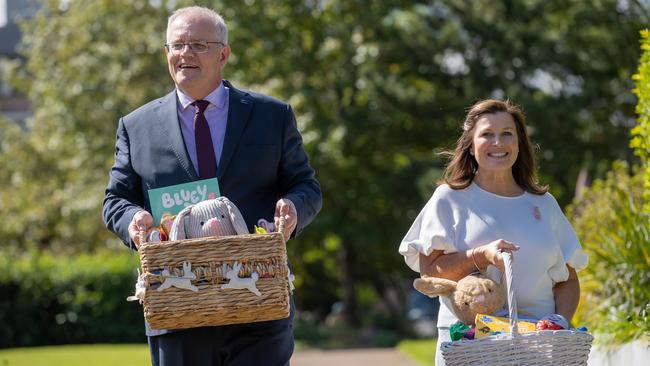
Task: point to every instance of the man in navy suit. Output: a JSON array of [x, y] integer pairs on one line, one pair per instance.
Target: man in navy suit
[[260, 163]]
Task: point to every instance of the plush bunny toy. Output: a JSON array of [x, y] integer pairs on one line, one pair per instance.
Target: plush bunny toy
[[215, 217], [469, 296]]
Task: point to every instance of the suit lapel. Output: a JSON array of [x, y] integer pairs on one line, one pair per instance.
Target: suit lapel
[[239, 108], [168, 116]]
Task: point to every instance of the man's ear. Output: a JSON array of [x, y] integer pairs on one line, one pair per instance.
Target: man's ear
[[224, 55]]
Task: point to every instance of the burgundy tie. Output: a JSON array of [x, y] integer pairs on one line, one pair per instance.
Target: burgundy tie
[[204, 149]]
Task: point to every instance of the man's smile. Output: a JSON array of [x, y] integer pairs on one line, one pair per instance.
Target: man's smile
[[187, 66]]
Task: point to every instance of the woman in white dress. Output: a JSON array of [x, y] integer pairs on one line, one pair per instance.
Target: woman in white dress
[[490, 202]]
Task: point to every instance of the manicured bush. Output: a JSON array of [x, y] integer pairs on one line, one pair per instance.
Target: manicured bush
[[610, 221], [50, 299]]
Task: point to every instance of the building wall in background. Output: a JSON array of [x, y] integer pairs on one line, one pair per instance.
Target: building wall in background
[[12, 104]]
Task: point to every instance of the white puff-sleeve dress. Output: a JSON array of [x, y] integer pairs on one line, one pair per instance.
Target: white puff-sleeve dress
[[456, 220]]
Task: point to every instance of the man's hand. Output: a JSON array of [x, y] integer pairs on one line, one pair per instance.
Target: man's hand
[[285, 208], [142, 221]]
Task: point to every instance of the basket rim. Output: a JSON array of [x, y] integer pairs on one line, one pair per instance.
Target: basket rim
[[210, 239], [508, 336]]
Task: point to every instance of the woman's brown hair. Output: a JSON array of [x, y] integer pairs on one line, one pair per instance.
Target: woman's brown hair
[[459, 172]]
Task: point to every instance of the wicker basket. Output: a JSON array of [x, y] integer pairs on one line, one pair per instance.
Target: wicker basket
[[212, 260], [547, 347]]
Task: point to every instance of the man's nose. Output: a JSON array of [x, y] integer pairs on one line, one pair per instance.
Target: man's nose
[[186, 49]]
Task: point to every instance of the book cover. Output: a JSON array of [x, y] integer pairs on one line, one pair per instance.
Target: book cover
[[172, 199]]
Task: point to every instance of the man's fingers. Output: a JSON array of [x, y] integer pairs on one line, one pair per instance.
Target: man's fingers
[[284, 209], [141, 221], [145, 218]]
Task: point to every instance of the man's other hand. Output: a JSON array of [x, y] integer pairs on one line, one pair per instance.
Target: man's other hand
[[285, 208]]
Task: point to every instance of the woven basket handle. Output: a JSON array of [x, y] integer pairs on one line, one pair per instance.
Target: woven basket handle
[[512, 302], [143, 237], [280, 228]]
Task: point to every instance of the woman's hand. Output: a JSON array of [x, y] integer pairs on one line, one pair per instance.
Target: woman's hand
[[454, 266], [492, 253]]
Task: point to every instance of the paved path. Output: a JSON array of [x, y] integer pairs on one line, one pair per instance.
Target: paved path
[[352, 357]]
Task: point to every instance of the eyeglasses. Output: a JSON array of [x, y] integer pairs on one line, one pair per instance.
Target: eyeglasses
[[195, 46]]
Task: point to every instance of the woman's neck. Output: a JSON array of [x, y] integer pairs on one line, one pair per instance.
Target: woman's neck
[[499, 184]]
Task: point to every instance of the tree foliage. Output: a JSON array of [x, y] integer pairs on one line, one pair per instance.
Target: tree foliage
[[614, 231], [613, 225], [87, 65], [377, 86]]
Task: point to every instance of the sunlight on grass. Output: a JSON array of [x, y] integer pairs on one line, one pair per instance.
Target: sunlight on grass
[[423, 351], [77, 355]]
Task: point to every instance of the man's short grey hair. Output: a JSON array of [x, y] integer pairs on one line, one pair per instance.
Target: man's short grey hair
[[219, 24]]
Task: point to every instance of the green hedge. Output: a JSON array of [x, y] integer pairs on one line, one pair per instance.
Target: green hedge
[[49, 299]]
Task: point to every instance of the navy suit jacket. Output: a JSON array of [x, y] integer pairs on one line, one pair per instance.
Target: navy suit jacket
[[262, 160]]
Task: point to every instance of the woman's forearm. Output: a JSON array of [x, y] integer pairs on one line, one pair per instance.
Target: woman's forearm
[[453, 266], [567, 295]]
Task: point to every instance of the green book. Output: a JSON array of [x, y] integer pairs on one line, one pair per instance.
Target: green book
[[173, 199]]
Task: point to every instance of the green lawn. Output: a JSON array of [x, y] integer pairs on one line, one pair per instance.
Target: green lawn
[[77, 355], [422, 351]]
